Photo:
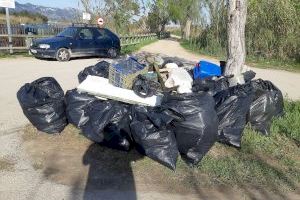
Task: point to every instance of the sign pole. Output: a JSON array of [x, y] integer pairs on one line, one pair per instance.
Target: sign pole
[[9, 31]]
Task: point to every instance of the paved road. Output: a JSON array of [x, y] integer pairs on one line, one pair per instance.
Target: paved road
[[16, 72], [24, 182]]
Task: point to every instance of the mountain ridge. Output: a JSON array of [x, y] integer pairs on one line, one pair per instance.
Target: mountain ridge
[[53, 13]]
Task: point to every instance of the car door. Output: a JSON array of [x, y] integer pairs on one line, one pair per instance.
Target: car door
[[85, 43], [103, 41]]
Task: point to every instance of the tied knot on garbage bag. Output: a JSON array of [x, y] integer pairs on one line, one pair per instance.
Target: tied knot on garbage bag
[[42, 102], [212, 85], [100, 69], [144, 87]]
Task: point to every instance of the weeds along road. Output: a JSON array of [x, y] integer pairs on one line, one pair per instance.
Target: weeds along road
[[23, 181]]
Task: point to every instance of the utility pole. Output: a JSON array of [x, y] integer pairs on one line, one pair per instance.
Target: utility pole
[[9, 31]]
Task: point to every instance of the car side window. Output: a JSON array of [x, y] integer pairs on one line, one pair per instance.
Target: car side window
[[103, 34], [86, 34]]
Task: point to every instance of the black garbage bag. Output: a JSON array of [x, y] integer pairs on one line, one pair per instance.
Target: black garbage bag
[[76, 104], [144, 87], [106, 125], [249, 76], [195, 123], [232, 106], [152, 138], [117, 134], [210, 85], [100, 69], [104, 122], [42, 102], [172, 60], [268, 103]]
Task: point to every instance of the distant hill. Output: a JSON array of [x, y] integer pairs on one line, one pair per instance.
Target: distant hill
[[53, 14]]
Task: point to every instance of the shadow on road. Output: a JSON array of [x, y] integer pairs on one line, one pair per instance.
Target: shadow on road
[[110, 174]]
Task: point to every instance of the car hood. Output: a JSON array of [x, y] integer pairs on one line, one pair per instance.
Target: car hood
[[49, 40]]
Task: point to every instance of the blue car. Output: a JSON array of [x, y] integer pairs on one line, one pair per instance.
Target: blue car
[[77, 41]]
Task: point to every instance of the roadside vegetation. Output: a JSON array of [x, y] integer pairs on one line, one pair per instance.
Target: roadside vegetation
[[267, 161], [272, 33], [259, 62], [132, 48], [6, 54]]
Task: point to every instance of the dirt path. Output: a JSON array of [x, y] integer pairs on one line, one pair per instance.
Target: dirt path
[[287, 82]]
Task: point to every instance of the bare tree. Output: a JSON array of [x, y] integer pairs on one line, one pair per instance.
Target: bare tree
[[236, 52]]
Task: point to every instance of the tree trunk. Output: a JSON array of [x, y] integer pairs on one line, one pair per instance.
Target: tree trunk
[[236, 52], [187, 29]]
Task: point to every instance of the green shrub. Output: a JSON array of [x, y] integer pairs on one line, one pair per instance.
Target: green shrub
[[289, 124]]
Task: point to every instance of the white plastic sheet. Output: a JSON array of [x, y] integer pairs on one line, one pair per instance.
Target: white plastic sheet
[[100, 87]]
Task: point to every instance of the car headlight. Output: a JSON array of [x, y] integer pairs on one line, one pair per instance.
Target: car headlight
[[44, 46]]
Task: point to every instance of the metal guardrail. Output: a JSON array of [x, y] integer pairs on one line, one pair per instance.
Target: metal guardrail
[[23, 41]]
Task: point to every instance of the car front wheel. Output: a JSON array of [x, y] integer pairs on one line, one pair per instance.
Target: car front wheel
[[63, 55], [112, 53]]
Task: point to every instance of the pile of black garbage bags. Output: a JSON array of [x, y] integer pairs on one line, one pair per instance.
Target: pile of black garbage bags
[[186, 124]]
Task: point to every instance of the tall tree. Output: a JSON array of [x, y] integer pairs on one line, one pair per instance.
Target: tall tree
[[184, 12], [236, 50], [117, 13], [159, 15]]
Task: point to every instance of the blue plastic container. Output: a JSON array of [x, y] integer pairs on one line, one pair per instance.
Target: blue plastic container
[[206, 69]]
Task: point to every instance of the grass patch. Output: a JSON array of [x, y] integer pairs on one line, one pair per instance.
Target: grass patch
[[219, 54], [14, 55], [260, 62], [132, 48], [290, 123], [265, 161], [252, 61]]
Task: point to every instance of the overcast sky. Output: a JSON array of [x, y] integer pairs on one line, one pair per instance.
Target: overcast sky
[[52, 3]]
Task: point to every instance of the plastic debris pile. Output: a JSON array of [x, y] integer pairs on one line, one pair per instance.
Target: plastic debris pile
[[162, 106]]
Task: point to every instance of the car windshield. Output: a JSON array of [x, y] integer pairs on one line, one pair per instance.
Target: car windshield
[[69, 32]]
